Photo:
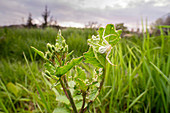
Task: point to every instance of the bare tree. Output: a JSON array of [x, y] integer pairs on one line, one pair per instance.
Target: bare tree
[[93, 24], [29, 21], [45, 16], [52, 22]]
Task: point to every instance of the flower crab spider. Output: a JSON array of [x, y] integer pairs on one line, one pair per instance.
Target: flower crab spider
[[106, 49]]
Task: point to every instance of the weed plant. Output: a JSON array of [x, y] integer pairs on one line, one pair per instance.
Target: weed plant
[[139, 82]]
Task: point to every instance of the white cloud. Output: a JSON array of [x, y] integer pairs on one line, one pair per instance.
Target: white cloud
[[71, 24], [79, 12]]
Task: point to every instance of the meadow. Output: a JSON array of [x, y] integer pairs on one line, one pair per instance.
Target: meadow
[[139, 83]]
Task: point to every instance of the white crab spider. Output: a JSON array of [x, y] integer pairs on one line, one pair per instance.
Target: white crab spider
[[106, 49]]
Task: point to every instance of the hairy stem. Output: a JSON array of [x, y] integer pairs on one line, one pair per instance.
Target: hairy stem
[[102, 82], [84, 100], [69, 95], [64, 88], [100, 87]]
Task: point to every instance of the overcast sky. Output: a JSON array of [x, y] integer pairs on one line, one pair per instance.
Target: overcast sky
[[80, 12]]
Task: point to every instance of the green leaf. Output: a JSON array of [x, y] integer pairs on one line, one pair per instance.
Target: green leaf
[[50, 68], [93, 94], [13, 89], [80, 73], [61, 110], [91, 59], [68, 55], [62, 99], [100, 31], [78, 97], [64, 69], [113, 36], [60, 38], [79, 105], [110, 29], [39, 52], [119, 32], [101, 58], [82, 84]]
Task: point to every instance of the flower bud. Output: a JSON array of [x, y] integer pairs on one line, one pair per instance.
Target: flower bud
[[63, 43], [47, 73], [53, 48], [49, 47], [57, 45], [48, 55]]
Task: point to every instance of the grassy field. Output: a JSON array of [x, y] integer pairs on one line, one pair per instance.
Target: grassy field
[[139, 83]]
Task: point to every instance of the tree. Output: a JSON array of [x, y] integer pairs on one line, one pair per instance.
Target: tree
[[92, 24], [29, 21], [167, 21], [124, 29], [45, 16]]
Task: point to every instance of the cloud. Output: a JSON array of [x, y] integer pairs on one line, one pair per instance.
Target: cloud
[[82, 11]]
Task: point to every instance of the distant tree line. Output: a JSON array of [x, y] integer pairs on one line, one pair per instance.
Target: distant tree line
[[45, 15], [162, 21]]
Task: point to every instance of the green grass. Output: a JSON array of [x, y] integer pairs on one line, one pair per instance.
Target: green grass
[[139, 83]]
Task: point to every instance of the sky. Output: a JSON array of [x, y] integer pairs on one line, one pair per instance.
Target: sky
[[77, 13]]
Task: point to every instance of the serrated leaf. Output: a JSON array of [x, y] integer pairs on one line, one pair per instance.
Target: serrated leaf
[[82, 84], [39, 52], [110, 29], [80, 73], [100, 31], [61, 110], [101, 58], [93, 83], [62, 99], [113, 40], [64, 69], [93, 94], [79, 105], [113, 37], [91, 59], [60, 38], [78, 97]]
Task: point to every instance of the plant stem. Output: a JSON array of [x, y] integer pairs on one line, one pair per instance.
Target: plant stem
[[69, 95], [62, 84], [100, 87], [102, 82], [84, 100]]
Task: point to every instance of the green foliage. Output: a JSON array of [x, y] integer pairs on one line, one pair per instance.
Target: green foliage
[[13, 89], [61, 110], [139, 82], [91, 58], [58, 66], [64, 69]]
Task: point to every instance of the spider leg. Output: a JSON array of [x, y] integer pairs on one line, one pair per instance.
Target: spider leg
[[107, 57]]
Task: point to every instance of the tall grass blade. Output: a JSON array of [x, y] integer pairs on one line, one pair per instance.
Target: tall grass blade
[[159, 71], [134, 101], [4, 87], [38, 87]]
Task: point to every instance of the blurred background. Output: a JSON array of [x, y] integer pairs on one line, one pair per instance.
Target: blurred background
[[139, 83]]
